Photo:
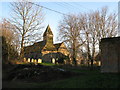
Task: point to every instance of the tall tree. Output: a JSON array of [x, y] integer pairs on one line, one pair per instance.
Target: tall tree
[[9, 41], [27, 18], [86, 30], [70, 33], [96, 25]]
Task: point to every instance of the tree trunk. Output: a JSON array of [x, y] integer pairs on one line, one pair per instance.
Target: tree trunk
[[93, 52], [91, 62], [22, 49], [74, 54], [88, 50]]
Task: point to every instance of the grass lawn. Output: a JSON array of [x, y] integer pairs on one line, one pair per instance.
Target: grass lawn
[[48, 64], [86, 79]]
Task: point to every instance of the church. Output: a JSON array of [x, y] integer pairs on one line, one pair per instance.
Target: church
[[46, 49]]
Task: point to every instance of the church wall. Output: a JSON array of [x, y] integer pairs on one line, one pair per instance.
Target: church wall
[[48, 55], [63, 50]]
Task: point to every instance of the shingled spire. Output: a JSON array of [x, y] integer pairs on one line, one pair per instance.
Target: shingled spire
[[48, 35], [48, 38], [47, 31]]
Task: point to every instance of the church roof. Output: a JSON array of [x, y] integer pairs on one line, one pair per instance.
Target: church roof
[[41, 44], [48, 31], [38, 46], [57, 45]]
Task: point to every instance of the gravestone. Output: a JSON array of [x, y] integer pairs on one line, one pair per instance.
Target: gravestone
[[39, 60], [32, 60], [28, 59], [53, 60], [110, 55], [24, 59]]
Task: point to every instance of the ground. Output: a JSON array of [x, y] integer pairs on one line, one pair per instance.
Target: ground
[[60, 76]]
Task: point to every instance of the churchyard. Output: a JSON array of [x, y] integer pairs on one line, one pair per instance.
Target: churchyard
[[57, 76], [86, 54]]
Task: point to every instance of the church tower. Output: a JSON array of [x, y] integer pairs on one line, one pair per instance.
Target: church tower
[[48, 35], [48, 38]]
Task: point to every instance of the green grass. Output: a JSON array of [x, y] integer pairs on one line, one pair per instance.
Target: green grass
[[84, 82], [47, 64], [86, 79]]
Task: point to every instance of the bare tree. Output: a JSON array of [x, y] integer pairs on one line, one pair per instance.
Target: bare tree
[[86, 30], [70, 33], [97, 25], [9, 41], [27, 18]]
